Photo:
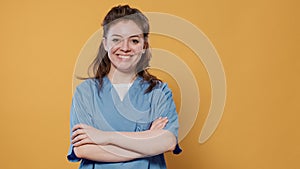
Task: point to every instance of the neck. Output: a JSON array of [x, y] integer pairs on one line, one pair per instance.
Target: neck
[[116, 76]]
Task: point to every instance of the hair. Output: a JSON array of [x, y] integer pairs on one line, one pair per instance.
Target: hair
[[100, 67]]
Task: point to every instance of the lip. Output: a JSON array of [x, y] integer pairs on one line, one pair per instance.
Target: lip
[[124, 56], [120, 56]]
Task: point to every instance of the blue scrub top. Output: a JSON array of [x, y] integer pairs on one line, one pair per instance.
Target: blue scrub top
[[104, 110]]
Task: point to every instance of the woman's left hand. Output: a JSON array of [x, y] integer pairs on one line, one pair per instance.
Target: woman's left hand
[[159, 123], [85, 134]]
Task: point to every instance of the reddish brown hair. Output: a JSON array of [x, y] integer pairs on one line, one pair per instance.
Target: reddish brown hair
[[100, 67]]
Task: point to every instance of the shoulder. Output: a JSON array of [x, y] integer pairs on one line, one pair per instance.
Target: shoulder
[[88, 83], [162, 89], [160, 86], [87, 86]]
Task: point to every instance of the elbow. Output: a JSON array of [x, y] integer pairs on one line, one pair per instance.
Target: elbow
[[172, 147], [164, 144], [79, 152], [172, 143]]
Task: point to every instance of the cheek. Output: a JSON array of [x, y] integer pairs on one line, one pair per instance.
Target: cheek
[[138, 49], [139, 57], [112, 49], [112, 46]]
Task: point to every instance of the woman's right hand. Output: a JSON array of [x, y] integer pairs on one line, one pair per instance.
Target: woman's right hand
[[159, 123], [85, 134]]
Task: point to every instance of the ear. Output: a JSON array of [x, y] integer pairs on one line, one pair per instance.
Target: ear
[[104, 42], [145, 47]]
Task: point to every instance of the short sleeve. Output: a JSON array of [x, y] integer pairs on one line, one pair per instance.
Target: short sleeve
[[80, 113], [166, 108]]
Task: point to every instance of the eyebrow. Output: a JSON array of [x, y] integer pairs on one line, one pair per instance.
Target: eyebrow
[[132, 36]]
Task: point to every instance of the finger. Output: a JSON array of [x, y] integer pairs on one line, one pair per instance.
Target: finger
[[155, 124], [80, 142], [79, 126], [77, 133], [159, 124], [157, 120], [78, 138], [161, 119], [76, 127], [162, 124]]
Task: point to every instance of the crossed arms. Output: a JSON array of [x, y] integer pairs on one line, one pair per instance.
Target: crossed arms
[[101, 146]]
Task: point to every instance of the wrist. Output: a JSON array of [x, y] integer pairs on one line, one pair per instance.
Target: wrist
[[110, 137]]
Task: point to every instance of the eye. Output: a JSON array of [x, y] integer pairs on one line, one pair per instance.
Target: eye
[[135, 41], [115, 40]]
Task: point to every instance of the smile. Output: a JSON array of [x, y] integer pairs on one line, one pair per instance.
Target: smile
[[124, 56]]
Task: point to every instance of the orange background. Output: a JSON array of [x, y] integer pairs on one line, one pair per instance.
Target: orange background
[[258, 43]]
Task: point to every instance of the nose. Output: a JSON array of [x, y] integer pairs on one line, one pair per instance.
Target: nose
[[125, 46]]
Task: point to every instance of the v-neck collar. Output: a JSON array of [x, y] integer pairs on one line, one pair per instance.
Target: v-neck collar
[[107, 85], [107, 81]]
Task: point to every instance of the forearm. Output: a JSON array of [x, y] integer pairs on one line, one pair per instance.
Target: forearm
[[148, 143], [145, 143], [107, 153]]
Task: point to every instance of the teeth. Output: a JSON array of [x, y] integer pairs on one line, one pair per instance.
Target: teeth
[[124, 57]]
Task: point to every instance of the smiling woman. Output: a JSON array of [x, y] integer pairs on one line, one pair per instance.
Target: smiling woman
[[110, 123], [124, 44]]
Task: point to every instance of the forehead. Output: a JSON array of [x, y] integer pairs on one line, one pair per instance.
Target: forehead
[[124, 28]]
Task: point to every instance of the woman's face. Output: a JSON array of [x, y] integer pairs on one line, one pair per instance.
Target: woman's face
[[124, 43]]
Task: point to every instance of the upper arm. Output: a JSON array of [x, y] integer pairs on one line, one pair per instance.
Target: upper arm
[[165, 107], [81, 108], [79, 113]]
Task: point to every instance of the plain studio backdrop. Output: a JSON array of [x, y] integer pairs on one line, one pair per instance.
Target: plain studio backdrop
[[258, 44]]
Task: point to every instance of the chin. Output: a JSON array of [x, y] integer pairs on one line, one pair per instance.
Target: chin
[[124, 69]]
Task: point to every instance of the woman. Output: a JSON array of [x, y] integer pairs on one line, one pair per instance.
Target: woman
[[123, 117]]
